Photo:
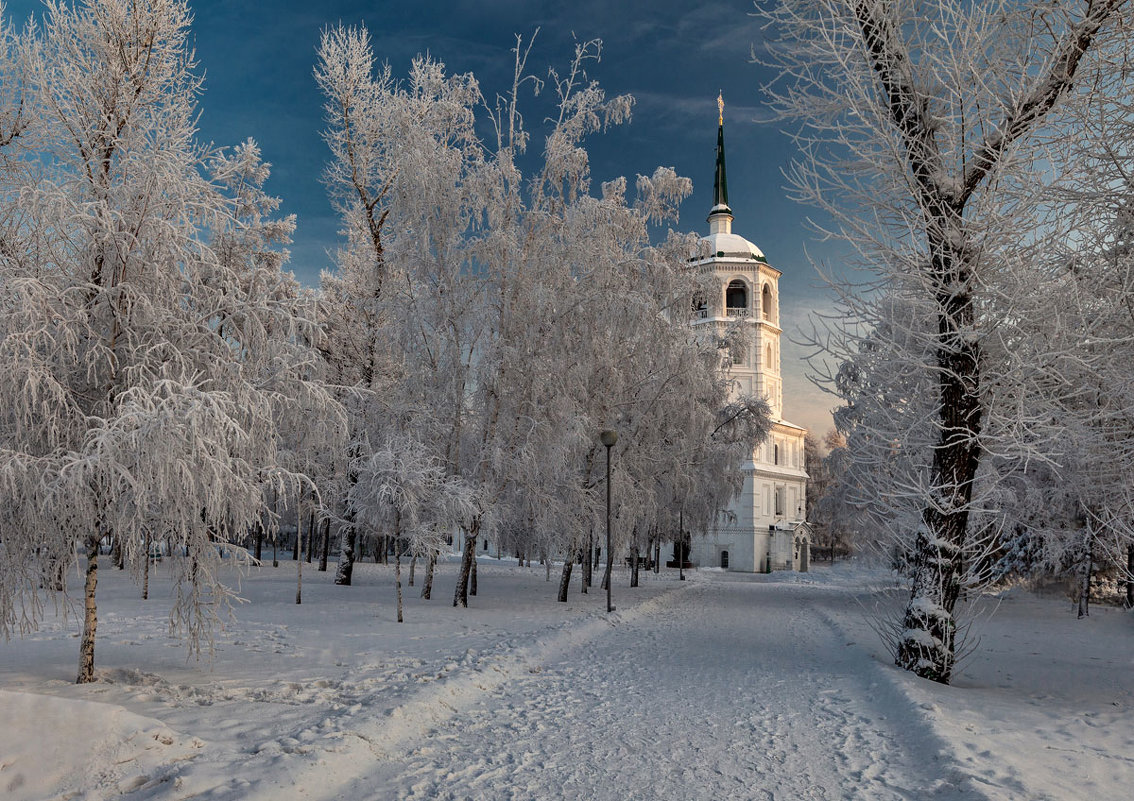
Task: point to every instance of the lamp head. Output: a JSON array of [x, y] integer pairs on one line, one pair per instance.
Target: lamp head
[[608, 437]]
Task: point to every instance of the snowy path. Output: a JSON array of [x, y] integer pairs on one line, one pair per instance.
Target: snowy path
[[726, 686], [721, 689]]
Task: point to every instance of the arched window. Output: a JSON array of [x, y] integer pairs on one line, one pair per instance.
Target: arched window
[[768, 364], [736, 298], [737, 351], [776, 456], [724, 559], [766, 303]]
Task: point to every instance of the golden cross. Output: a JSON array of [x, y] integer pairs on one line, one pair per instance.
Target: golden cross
[[720, 108]]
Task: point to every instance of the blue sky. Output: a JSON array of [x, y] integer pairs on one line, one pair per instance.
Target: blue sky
[[673, 56]]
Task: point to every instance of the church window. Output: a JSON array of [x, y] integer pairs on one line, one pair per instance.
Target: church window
[[737, 353], [768, 366], [779, 500], [736, 298], [700, 307], [776, 456], [766, 302], [724, 559]]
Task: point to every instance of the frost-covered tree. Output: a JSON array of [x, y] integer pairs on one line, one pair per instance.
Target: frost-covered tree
[[402, 489], [511, 318], [150, 341], [929, 130], [402, 306]]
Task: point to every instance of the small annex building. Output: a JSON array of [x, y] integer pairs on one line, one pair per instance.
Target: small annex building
[[765, 526]]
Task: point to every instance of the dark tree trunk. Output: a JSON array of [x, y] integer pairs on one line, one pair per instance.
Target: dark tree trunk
[[634, 566], [565, 576], [927, 643], [588, 568], [472, 577], [427, 585], [298, 548], [398, 563], [310, 534], [1085, 574], [259, 541], [326, 545], [146, 569], [1129, 576], [461, 595], [412, 567]]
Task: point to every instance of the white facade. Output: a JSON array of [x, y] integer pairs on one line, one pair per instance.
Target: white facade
[[763, 530]]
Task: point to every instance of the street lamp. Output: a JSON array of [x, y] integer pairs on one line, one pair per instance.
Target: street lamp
[[608, 438], [681, 544]]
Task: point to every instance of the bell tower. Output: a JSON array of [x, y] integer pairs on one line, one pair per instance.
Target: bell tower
[[764, 528], [747, 293]]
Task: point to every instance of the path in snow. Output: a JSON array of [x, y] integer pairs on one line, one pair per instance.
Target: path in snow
[[724, 689]]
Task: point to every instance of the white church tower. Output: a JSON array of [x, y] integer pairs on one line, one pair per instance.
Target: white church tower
[[764, 529]]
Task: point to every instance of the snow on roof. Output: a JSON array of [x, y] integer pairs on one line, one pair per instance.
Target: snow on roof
[[723, 244]]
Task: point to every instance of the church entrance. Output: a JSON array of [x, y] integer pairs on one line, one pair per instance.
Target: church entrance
[[724, 559]]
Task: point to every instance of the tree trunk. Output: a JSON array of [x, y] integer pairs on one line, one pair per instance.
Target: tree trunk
[[275, 553], [634, 566], [427, 585], [928, 637], [90, 614], [472, 577], [346, 555], [146, 570], [298, 548], [412, 567], [461, 596], [1130, 576], [565, 577], [1085, 573], [259, 541], [310, 534], [326, 545], [398, 569], [588, 568]]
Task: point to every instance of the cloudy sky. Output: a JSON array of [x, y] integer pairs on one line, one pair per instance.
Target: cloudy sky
[[672, 56]]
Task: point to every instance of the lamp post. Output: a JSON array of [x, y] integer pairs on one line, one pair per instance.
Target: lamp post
[[681, 544], [608, 438]]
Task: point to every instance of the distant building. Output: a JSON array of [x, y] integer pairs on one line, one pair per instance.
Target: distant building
[[764, 529]]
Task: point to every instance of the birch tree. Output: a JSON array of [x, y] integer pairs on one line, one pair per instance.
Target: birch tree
[[138, 397], [403, 490]]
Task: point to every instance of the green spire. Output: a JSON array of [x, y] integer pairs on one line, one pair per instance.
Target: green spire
[[720, 184]]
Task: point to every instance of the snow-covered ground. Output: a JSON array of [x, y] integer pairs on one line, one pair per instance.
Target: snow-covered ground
[[723, 686]]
